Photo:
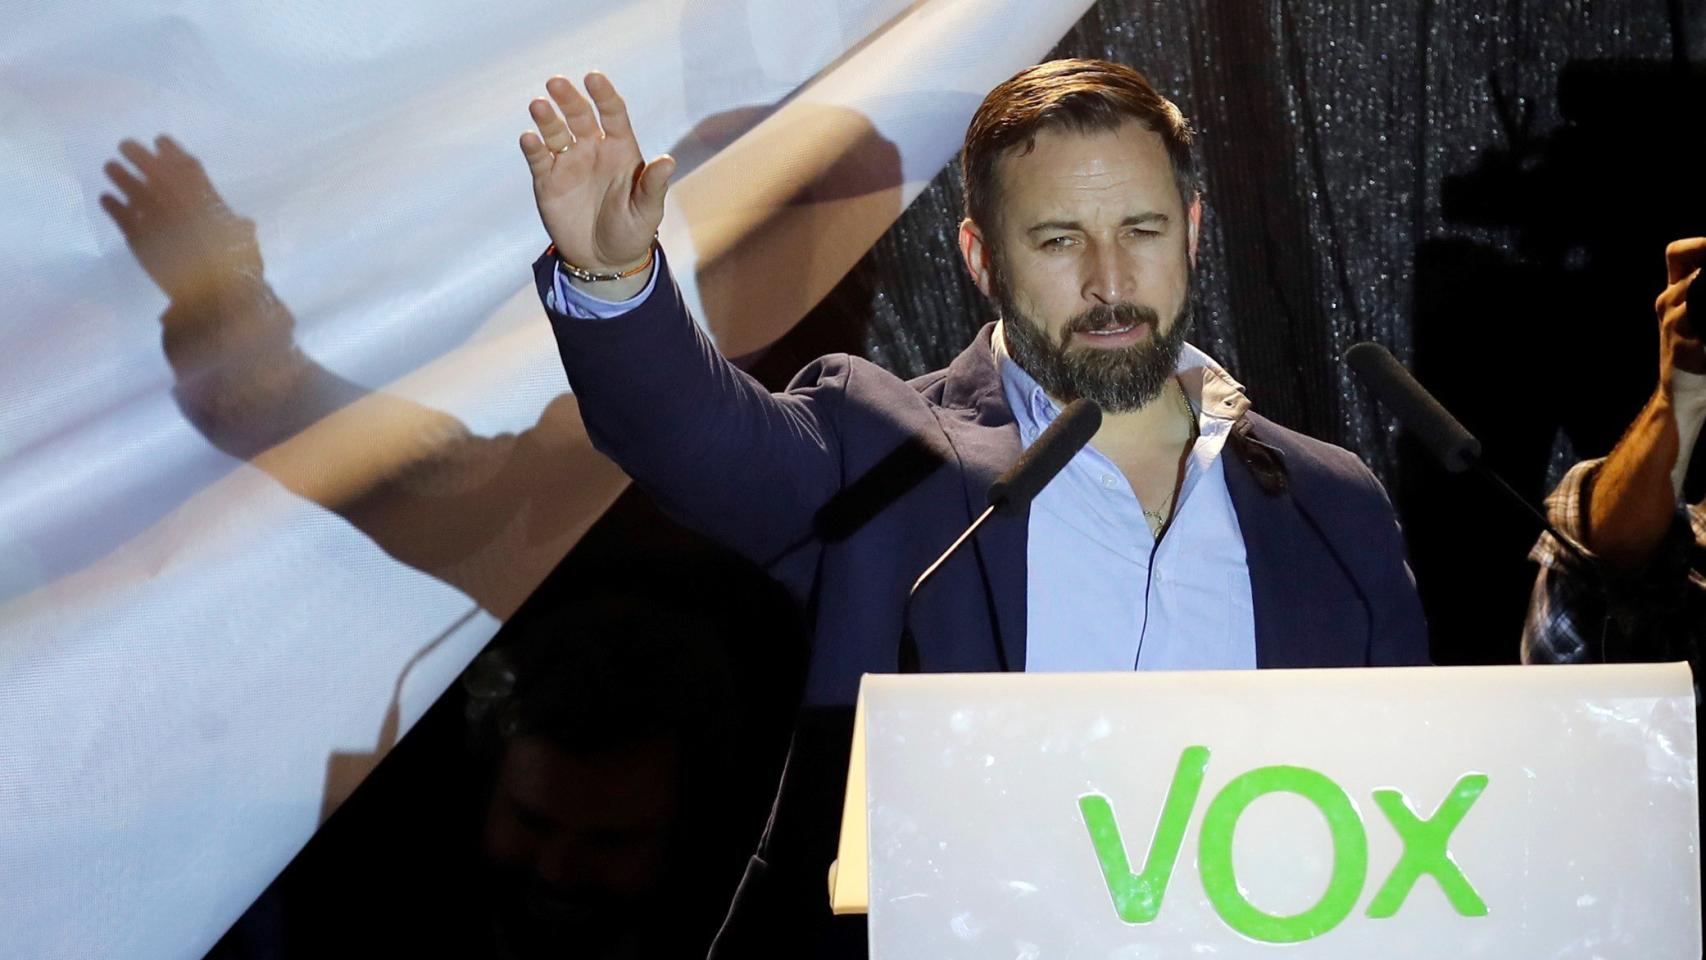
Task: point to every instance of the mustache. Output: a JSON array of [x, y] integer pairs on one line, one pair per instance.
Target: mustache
[[1109, 316]]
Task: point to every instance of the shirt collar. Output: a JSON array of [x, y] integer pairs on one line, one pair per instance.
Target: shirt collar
[[1210, 389]]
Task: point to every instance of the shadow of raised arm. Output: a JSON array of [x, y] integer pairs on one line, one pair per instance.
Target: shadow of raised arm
[[488, 515]]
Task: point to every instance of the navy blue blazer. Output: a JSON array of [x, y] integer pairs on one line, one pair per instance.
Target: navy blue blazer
[[850, 482]]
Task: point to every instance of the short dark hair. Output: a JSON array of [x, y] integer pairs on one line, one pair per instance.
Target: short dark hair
[[1080, 95]]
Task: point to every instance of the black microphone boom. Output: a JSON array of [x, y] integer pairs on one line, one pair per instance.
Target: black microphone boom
[[1013, 490], [1449, 441], [1010, 493], [1067, 435]]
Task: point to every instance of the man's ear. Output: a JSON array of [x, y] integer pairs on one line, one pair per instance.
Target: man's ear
[[976, 255], [1194, 215]]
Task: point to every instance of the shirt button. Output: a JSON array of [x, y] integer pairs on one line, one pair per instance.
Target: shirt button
[[1108, 480]]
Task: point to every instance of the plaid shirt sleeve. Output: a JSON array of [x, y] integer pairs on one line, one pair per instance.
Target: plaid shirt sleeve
[[1566, 616], [1658, 615]]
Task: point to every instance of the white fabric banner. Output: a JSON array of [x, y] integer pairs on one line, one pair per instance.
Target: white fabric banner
[[285, 436]]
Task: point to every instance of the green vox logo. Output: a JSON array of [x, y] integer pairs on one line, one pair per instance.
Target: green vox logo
[[1137, 896]]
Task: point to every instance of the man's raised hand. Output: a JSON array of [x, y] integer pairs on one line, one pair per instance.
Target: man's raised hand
[[1680, 335], [599, 199]]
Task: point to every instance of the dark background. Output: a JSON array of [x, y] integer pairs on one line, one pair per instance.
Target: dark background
[[1485, 187]]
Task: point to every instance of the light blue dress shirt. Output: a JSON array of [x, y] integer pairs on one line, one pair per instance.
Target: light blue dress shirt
[[1101, 594]]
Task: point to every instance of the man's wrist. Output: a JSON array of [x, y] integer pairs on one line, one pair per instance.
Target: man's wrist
[[614, 285], [1628, 503], [576, 301], [613, 291], [597, 275]]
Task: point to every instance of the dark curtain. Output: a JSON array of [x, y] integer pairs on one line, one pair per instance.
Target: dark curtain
[[1487, 188]]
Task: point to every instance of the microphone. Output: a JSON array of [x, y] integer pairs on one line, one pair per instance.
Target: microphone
[[1067, 435], [1008, 495], [1447, 440]]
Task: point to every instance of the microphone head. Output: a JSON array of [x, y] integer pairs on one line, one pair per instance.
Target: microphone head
[[1067, 435], [1449, 441]]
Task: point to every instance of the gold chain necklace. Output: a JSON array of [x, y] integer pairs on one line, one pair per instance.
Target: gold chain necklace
[[1157, 518]]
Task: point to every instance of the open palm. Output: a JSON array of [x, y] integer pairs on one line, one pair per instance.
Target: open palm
[[599, 199]]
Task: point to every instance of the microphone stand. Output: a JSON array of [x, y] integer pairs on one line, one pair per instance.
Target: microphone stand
[[1569, 543], [908, 643], [1011, 492]]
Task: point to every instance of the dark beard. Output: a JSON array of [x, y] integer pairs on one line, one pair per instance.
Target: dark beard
[[1118, 380]]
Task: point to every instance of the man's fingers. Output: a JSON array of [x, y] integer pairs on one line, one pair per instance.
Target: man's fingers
[[1672, 305], [654, 183], [538, 158], [1690, 300], [1684, 324], [551, 127], [612, 109], [582, 122], [1684, 257]]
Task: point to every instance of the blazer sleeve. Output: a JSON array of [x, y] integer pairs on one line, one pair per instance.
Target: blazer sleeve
[[1400, 627], [747, 467]]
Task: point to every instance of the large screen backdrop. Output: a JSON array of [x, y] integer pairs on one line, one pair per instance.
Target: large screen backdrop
[[285, 437]]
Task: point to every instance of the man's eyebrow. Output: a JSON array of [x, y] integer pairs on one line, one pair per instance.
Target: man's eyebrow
[[1135, 220]]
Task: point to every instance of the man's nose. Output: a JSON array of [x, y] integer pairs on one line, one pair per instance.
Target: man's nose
[[1112, 276]]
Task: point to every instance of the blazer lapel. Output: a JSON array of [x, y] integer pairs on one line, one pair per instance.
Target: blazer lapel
[[1310, 608], [1000, 544], [1268, 522], [980, 427]]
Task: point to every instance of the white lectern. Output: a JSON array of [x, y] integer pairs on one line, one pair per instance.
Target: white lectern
[[1483, 812]]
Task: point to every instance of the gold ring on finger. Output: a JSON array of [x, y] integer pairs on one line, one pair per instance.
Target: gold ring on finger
[[564, 148]]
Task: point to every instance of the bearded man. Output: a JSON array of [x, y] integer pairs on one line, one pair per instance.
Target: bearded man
[[1190, 534]]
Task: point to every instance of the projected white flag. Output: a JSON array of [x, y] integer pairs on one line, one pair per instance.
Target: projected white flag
[[285, 436]]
